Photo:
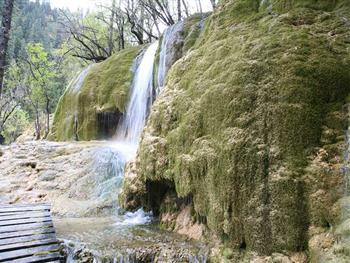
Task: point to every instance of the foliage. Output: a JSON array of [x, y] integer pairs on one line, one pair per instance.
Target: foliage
[[10, 98], [34, 22], [38, 65], [16, 125]]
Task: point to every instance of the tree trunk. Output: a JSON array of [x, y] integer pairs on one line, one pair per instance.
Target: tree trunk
[[47, 110], [186, 8], [111, 29], [213, 3], [37, 126], [200, 6], [4, 37], [179, 14]]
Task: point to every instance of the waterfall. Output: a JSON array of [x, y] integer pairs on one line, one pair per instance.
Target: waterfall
[[132, 125], [129, 130], [76, 84], [168, 52]]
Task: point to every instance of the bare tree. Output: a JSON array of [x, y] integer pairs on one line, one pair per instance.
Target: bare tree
[[185, 8], [4, 37], [213, 3], [120, 21], [160, 8], [111, 28], [116, 24], [87, 44], [199, 6], [179, 12], [142, 21]]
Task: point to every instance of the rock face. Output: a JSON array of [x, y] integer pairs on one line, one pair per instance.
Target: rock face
[[250, 129], [92, 105], [79, 179]]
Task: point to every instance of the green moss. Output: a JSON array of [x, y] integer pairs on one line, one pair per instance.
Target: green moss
[[242, 115], [192, 30], [105, 89]]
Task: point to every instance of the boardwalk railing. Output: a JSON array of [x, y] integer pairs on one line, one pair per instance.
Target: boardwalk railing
[[27, 234]]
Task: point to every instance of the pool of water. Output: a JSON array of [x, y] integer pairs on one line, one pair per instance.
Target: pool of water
[[115, 239]]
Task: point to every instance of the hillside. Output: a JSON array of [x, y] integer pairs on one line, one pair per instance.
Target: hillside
[[250, 132]]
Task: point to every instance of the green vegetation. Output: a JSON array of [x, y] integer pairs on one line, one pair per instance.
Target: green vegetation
[[37, 69], [104, 90], [251, 123]]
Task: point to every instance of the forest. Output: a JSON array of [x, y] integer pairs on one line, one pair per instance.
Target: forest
[[47, 47], [197, 131]]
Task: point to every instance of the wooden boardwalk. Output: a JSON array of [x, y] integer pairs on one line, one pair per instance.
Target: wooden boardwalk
[[27, 234]]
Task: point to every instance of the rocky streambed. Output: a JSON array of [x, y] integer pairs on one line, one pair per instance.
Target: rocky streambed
[[82, 181]]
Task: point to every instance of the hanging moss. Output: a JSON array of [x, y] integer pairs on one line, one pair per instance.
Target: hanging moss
[[243, 117], [105, 90]]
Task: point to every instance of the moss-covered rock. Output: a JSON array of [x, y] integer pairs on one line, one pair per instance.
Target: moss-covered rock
[[93, 110], [251, 123]]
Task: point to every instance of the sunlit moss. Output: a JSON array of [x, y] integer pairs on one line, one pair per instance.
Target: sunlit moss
[[105, 89]]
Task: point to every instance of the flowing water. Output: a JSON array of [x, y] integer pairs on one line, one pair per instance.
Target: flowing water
[[77, 83], [166, 58], [129, 237], [140, 100]]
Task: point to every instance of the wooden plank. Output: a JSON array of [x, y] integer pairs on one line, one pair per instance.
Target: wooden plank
[[14, 240], [6, 229], [25, 205], [45, 230], [21, 209], [24, 216], [53, 257], [4, 256], [21, 213], [24, 221], [30, 244], [27, 234]]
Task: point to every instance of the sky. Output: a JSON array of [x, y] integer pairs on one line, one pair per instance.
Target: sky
[[75, 4], [90, 4]]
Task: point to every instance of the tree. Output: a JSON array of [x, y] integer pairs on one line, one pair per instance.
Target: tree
[[160, 10], [4, 37], [11, 96], [116, 24], [40, 90], [213, 3], [142, 22], [90, 37]]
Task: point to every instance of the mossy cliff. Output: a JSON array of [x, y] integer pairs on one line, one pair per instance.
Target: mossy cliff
[[93, 111], [250, 128]]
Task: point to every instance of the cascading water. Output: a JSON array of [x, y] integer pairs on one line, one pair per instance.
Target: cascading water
[[129, 131], [140, 101], [167, 52], [77, 83], [116, 237]]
